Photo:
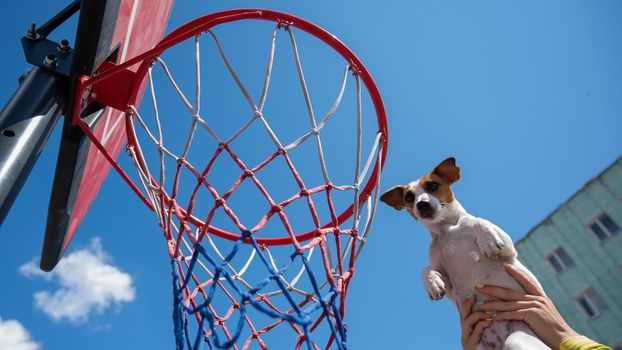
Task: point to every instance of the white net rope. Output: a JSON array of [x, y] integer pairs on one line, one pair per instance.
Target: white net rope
[[185, 229]]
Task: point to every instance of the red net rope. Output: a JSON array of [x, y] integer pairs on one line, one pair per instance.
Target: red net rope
[[252, 283]]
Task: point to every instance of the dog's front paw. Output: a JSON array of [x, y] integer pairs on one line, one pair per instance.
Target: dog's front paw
[[489, 242], [434, 284]]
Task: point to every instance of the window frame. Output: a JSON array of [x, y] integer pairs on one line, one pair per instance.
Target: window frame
[[593, 304], [597, 220], [560, 261]]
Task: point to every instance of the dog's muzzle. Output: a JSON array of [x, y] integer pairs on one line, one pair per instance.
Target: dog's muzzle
[[425, 209]]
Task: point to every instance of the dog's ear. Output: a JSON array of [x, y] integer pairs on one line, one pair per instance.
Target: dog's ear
[[394, 197], [447, 170]]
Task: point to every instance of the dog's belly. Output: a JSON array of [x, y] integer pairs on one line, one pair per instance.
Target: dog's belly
[[510, 335], [466, 266]]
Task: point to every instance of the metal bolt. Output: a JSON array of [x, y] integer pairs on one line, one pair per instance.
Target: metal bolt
[[50, 61], [31, 33], [23, 77], [64, 46]]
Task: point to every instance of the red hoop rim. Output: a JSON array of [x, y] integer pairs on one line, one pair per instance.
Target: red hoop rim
[[203, 24]]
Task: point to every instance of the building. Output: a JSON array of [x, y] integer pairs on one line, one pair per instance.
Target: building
[[576, 253]]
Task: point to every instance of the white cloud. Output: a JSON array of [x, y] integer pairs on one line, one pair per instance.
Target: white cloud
[[13, 336], [88, 282]]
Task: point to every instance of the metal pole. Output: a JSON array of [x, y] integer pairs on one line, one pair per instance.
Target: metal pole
[[26, 123]]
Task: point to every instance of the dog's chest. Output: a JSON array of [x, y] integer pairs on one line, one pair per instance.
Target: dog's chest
[[459, 254], [463, 262]]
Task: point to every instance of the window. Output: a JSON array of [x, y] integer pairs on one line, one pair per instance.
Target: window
[[603, 227], [591, 303], [559, 260]]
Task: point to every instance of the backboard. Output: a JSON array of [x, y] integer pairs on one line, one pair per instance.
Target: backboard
[[114, 30]]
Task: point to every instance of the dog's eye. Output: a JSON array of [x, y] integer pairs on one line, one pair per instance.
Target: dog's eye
[[410, 197], [431, 186]]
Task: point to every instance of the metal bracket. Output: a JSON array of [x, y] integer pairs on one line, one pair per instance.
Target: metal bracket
[[49, 55], [113, 91], [58, 19], [45, 53]]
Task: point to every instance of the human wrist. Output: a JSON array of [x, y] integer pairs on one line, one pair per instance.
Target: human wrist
[[579, 342], [563, 335]]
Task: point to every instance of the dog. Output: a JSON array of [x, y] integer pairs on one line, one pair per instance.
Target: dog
[[465, 251]]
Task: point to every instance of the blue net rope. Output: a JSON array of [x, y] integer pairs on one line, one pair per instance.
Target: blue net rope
[[301, 316]]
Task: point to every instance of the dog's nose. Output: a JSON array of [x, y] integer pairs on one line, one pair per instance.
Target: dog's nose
[[423, 206]]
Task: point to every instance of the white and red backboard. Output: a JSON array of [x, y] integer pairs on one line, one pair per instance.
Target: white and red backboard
[[113, 30]]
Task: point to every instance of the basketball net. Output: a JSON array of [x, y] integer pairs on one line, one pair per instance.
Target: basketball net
[[235, 287]]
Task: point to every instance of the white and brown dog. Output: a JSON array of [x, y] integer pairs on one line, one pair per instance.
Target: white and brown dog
[[465, 251]]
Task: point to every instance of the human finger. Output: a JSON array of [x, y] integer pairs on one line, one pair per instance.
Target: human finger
[[508, 305], [517, 315], [502, 293], [467, 307], [524, 280], [473, 318], [476, 335]]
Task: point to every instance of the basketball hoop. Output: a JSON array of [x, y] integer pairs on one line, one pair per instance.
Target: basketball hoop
[[254, 271]]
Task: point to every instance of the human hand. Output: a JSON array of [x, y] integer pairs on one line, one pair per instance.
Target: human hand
[[531, 306], [473, 323]]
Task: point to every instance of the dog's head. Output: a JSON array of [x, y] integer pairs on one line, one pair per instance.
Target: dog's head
[[426, 199]]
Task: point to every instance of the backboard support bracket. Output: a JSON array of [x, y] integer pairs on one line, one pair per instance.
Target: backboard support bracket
[[48, 55], [113, 91]]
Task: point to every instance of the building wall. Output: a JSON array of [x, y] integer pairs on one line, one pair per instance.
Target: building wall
[[596, 264]]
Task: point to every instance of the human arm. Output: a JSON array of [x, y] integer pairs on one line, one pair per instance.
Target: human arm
[[537, 310]]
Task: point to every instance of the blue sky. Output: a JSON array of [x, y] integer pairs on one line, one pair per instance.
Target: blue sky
[[526, 95]]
